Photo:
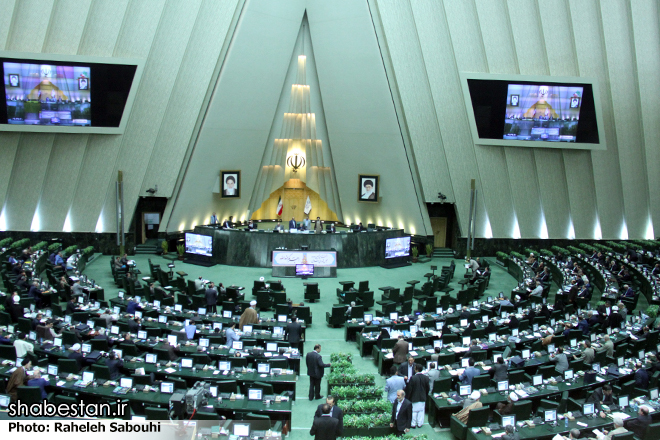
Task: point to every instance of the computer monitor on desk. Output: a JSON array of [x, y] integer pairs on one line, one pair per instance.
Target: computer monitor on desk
[[142, 334], [550, 415], [126, 382], [623, 402], [150, 358], [653, 394], [588, 409], [241, 430], [508, 420], [465, 390], [537, 380], [503, 385], [255, 394]]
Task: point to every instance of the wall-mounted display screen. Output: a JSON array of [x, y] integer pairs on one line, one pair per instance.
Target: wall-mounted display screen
[[397, 247], [516, 110], [547, 113], [199, 244], [47, 94], [66, 93]]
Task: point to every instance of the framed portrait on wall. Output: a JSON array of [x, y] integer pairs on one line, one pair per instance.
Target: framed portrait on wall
[[515, 100], [83, 83], [14, 80], [231, 184], [368, 187], [575, 102]]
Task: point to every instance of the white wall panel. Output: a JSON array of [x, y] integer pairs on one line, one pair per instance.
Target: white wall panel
[[7, 8], [197, 66], [102, 27], [27, 178], [60, 180], [151, 101], [66, 26], [621, 62], [646, 31], [29, 25], [445, 86], [413, 85], [469, 50], [8, 147], [592, 61]]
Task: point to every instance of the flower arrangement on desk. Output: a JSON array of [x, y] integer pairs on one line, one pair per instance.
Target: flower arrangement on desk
[[20, 243], [588, 247], [89, 250], [342, 377], [70, 250], [40, 246], [5, 242], [618, 247]]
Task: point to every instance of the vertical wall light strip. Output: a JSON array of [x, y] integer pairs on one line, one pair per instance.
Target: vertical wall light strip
[[543, 233], [36, 221], [571, 229], [99, 224], [516, 228], [488, 231], [67, 223], [624, 231], [650, 235], [3, 221], [598, 234]]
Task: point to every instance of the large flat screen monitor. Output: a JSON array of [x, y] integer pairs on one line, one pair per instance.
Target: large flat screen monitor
[[71, 94], [304, 270], [199, 244], [534, 111], [397, 247]]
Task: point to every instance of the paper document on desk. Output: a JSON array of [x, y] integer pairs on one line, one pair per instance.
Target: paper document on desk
[[599, 379], [522, 394], [459, 349], [169, 370], [389, 355], [558, 437], [457, 372], [598, 433], [498, 435], [486, 368], [623, 416]]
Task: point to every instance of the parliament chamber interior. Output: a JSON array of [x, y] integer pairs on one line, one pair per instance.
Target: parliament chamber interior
[[369, 220]]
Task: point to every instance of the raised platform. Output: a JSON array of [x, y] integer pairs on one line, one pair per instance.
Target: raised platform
[[253, 249]]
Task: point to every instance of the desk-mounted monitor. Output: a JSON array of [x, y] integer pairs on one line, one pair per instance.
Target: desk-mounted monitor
[[534, 111]]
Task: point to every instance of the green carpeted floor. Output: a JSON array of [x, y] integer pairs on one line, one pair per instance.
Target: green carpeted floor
[[331, 340]]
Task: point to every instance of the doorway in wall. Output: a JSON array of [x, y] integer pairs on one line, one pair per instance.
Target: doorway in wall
[[443, 219], [148, 216]]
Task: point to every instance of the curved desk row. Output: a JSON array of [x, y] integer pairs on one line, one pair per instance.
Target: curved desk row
[[253, 249]]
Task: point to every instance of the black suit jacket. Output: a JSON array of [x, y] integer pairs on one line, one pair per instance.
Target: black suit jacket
[[404, 419], [403, 370], [211, 296], [292, 224], [336, 413], [418, 388], [293, 330], [80, 359], [315, 365], [324, 428], [639, 425]]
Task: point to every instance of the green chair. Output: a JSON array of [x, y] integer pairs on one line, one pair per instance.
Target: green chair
[[156, 413], [312, 292], [477, 418], [67, 366], [337, 317], [29, 395], [257, 417]]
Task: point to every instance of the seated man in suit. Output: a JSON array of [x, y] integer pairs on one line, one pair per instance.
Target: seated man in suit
[[401, 413], [640, 425], [251, 226], [335, 412], [325, 427], [227, 224], [38, 381], [601, 396]]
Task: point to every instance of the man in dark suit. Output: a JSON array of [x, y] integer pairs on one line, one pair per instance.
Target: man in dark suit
[[71, 306], [315, 372], [335, 412], [401, 413], [400, 351], [640, 425], [293, 331], [641, 377], [292, 223], [211, 299], [324, 427], [134, 325], [227, 224], [114, 365], [417, 391], [407, 369]]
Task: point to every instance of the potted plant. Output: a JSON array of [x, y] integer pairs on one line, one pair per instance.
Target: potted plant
[[163, 244], [415, 254], [429, 250], [180, 250]]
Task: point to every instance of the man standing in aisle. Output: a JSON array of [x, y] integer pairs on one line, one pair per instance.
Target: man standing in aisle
[[315, 372], [211, 299], [401, 413], [417, 390], [293, 331]]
